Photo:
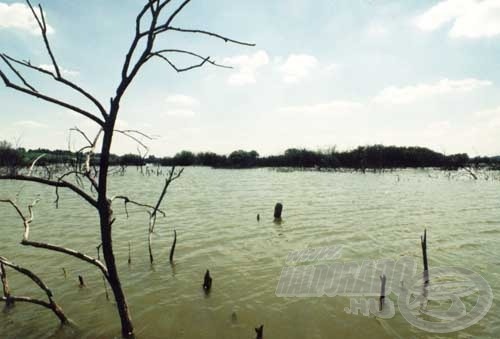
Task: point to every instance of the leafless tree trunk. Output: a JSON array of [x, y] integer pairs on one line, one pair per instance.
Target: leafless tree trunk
[[148, 26]]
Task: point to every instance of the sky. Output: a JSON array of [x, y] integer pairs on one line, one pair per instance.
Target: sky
[[323, 73]]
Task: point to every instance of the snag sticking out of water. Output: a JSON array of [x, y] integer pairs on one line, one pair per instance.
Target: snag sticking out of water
[[172, 249], [382, 292], [129, 254], [260, 332], [82, 283], [278, 208], [423, 242], [207, 282]]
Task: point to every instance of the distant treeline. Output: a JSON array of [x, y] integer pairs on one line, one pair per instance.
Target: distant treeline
[[362, 157]]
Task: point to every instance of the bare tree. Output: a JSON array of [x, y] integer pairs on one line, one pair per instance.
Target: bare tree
[[149, 24]]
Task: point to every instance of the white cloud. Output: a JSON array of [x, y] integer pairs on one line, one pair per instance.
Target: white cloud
[[63, 71], [332, 68], [19, 16], [180, 105], [490, 116], [335, 107], [246, 67], [29, 124], [470, 18], [408, 94], [437, 129], [377, 30], [487, 112], [181, 100], [186, 113], [297, 67]]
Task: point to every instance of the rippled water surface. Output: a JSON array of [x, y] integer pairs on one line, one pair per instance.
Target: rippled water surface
[[214, 212]]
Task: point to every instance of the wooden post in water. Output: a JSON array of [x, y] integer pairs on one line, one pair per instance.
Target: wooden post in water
[[82, 283], [172, 249], [260, 332], [129, 254], [423, 242], [65, 274], [278, 208], [382, 292], [258, 217], [207, 282]]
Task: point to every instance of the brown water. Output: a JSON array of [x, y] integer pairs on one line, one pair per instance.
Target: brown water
[[214, 212]]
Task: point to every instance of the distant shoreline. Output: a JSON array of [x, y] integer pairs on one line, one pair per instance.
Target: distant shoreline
[[362, 158]]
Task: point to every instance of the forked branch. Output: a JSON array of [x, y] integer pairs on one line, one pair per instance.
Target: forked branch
[[10, 299], [27, 220]]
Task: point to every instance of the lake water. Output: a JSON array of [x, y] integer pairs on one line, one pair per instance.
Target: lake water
[[372, 216]]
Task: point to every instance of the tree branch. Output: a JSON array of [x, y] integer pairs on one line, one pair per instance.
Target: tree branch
[[215, 35], [61, 79], [126, 201], [86, 114], [29, 274], [52, 183], [16, 72], [26, 242], [70, 252], [43, 29], [52, 305], [204, 59]]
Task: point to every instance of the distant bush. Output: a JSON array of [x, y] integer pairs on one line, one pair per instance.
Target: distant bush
[[361, 158], [10, 157]]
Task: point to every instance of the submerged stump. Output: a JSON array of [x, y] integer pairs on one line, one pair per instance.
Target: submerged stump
[[260, 332], [207, 282], [423, 242], [382, 292], [80, 280], [278, 208]]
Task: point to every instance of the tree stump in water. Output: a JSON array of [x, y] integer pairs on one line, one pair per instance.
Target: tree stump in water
[[207, 282], [423, 242], [172, 249], [82, 283], [278, 208], [260, 332], [382, 292]]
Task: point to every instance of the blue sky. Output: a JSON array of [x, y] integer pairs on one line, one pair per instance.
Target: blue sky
[[324, 73]]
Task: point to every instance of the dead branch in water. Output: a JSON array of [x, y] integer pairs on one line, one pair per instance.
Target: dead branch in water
[[10, 299], [382, 292], [172, 249], [129, 254], [173, 175], [27, 220], [470, 172], [6, 291], [423, 242]]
